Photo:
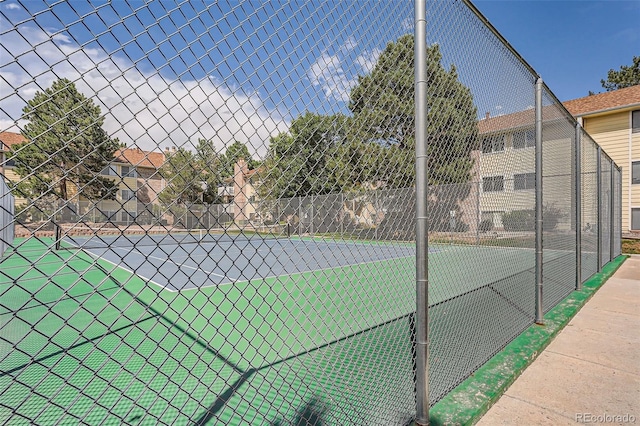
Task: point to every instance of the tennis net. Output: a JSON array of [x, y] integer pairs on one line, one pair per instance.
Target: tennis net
[[85, 237]]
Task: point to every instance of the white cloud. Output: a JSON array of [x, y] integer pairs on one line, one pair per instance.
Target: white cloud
[[146, 110], [328, 73], [333, 74], [367, 60], [12, 6]]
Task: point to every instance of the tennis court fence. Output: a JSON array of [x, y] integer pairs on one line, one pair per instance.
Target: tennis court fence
[[240, 212]]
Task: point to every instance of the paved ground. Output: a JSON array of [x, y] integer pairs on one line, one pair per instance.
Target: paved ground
[[590, 373]]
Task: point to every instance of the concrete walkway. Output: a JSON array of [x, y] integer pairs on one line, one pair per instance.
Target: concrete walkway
[[590, 373]]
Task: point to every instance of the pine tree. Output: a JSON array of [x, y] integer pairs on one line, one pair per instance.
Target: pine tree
[[66, 147]]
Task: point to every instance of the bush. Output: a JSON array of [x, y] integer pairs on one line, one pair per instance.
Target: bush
[[519, 220], [486, 225], [525, 220], [551, 217]]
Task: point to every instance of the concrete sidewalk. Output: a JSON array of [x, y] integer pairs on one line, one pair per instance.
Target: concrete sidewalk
[[590, 373]]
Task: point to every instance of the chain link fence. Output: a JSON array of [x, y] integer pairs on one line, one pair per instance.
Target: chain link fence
[[216, 204]]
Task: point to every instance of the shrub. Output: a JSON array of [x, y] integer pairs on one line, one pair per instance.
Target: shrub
[[519, 220], [486, 225], [525, 220], [551, 216]]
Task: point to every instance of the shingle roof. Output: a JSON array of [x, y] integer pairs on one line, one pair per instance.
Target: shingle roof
[[7, 139], [520, 119], [133, 156], [604, 101], [140, 158]]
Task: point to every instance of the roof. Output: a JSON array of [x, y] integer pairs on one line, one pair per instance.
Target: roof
[[616, 99], [8, 139], [139, 158], [519, 120], [133, 156]]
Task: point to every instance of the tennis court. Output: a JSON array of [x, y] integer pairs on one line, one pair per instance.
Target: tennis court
[[177, 262], [211, 351]]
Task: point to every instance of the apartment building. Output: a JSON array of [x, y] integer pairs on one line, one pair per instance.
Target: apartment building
[[613, 121]]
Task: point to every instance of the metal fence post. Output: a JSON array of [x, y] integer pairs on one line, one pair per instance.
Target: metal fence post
[[611, 215], [478, 215], [619, 213], [538, 106], [578, 206], [599, 206], [422, 243], [342, 213]]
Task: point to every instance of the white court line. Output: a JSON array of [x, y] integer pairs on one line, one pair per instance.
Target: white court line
[[179, 265], [96, 257]]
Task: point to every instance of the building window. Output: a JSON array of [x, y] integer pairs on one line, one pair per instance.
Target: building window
[[635, 172], [128, 171], [635, 219], [493, 183], [128, 194], [635, 121], [524, 139], [109, 171], [493, 143], [9, 162], [524, 181]]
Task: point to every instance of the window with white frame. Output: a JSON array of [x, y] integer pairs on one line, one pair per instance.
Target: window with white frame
[[635, 173], [493, 183], [635, 219], [109, 171], [493, 143], [128, 171], [524, 139], [635, 121], [524, 181], [128, 194]]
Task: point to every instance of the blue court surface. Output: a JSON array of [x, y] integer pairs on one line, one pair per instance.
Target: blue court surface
[[177, 266]]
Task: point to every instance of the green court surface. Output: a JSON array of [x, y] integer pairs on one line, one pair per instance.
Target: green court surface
[[82, 341], [85, 341]]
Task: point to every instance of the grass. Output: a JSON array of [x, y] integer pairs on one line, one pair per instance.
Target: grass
[[630, 246]]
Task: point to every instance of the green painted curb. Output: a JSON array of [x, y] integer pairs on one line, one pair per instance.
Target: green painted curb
[[470, 400]]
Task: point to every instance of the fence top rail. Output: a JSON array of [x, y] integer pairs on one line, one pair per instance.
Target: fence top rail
[[500, 37]]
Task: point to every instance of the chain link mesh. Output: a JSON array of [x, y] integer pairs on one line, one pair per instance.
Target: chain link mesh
[[215, 209]]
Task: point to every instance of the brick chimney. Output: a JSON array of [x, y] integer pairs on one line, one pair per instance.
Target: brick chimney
[[240, 170]]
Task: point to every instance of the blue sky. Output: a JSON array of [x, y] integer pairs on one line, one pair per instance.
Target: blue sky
[[168, 73], [571, 44]]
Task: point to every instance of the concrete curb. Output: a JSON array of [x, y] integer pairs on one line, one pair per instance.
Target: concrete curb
[[470, 400]]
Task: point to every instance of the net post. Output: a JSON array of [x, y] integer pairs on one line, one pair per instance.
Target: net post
[[539, 222], [422, 243], [578, 206], [58, 232]]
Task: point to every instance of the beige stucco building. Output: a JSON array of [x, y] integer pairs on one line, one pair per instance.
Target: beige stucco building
[[136, 171]]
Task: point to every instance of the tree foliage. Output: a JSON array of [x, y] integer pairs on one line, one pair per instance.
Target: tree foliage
[[231, 155], [208, 164], [375, 146], [66, 147], [301, 161], [383, 112], [183, 175], [195, 177], [626, 76]]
